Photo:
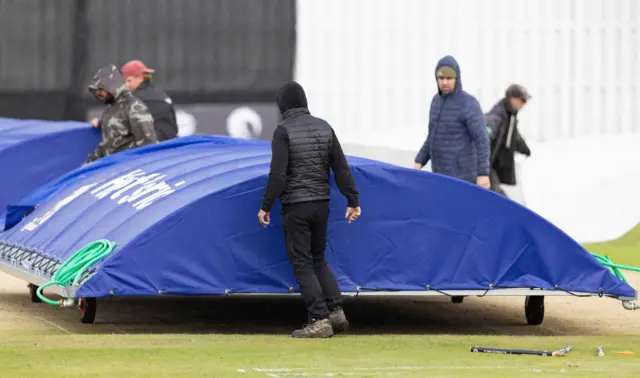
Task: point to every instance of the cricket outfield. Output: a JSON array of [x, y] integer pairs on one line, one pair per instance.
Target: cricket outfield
[[248, 336]]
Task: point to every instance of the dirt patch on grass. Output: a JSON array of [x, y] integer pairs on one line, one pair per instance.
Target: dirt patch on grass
[[279, 315]]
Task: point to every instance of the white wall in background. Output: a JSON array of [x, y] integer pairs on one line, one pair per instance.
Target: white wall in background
[[368, 65], [368, 68], [588, 187]]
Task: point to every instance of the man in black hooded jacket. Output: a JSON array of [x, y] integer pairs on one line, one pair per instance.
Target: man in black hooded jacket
[[502, 126], [304, 149]]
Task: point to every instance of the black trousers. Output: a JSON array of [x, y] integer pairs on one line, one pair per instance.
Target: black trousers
[[305, 232]]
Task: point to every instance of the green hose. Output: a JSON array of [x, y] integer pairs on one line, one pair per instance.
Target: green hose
[[73, 269], [615, 268]]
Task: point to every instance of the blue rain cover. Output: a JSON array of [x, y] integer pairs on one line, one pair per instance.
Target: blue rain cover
[[34, 152], [183, 215]]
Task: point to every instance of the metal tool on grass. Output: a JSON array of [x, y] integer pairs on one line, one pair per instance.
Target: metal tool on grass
[[546, 353]]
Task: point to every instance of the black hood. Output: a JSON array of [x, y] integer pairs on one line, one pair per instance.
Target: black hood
[[109, 79], [291, 96]]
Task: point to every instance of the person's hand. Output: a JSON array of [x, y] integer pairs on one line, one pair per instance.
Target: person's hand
[[263, 218], [417, 166], [94, 123], [353, 213], [484, 182]]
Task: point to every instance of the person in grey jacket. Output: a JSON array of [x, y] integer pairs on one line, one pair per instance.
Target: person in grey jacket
[[138, 80], [502, 127], [457, 142], [126, 122]]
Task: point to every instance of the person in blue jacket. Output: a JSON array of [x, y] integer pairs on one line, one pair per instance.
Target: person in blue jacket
[[457, 142]]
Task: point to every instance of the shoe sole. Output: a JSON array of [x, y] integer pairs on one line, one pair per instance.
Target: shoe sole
[[327, 333], [317, 336], [339, 328]]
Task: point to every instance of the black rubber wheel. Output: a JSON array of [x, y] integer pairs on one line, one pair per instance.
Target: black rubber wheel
[[87, 308], [32, 293], [457, 299], [534, 309]]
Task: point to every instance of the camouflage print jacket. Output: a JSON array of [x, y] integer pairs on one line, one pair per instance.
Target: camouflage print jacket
[[126, 122]]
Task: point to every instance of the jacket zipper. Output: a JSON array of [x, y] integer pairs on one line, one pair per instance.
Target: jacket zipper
[[510, 133], [435, 128]]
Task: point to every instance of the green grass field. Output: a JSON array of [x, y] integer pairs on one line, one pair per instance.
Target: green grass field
[[24, 353], [362, 356], [625, 250]]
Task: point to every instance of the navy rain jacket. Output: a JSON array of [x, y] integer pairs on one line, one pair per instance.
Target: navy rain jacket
[[457, 143]]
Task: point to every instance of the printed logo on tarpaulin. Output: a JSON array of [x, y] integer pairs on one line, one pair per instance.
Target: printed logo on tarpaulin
[[37, 221], [138, 188]]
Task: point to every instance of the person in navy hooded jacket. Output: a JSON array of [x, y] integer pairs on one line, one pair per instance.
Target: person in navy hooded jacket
[[457, 143]]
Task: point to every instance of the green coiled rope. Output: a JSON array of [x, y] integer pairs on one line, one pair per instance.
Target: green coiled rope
[[615, 268], [72, 270]]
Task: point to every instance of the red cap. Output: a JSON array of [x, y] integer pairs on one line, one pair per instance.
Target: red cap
[[135, 67]]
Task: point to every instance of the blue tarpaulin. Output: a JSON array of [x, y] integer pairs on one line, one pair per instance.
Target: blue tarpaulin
[[183, 215], [34, 152]]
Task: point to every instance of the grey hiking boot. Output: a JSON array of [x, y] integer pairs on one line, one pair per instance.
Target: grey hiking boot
[[338, 321], [318, 329]]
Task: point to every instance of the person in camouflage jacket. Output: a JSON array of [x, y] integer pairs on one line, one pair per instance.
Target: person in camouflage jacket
[[126, 122]]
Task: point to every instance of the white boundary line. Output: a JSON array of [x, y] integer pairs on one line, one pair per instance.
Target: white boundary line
[[394, 370], [52, 324], [117, 329]]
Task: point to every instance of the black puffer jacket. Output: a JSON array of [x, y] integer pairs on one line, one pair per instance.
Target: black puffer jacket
[[304, 150], [161, 108], [502, 125], [309, 147]]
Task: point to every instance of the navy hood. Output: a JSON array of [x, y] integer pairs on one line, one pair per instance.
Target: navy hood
[[453, 63]]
